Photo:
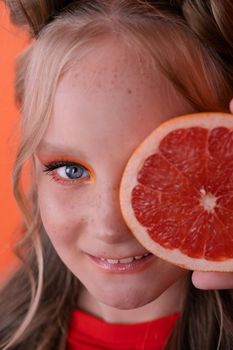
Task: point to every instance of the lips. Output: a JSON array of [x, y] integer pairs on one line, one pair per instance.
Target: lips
[[125, 265]]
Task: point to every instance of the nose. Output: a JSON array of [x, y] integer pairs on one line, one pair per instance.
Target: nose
[[106, 220]]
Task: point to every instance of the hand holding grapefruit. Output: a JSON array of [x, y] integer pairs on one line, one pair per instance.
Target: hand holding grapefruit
[[176, 192]]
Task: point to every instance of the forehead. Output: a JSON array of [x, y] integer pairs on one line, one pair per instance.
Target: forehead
[[105, 70], [105, 95]]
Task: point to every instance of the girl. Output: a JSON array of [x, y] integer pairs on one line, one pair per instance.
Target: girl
[[97, 79]]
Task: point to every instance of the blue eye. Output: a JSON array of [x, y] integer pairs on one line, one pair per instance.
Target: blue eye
[[66, 171], [72, 171]]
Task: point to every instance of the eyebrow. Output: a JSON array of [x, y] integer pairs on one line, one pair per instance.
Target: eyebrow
[[62, 149]]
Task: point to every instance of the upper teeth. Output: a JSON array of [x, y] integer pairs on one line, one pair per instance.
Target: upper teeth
[[125, 260]]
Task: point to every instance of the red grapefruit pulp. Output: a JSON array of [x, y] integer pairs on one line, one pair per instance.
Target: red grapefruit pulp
[[176, 192]]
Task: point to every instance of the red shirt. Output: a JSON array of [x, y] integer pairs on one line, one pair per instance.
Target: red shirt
[[87, 332]]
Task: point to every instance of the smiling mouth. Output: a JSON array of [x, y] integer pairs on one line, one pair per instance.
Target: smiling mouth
[[126, 260], [126, 265]]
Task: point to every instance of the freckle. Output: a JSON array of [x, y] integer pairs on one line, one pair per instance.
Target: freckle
[[129, 91]]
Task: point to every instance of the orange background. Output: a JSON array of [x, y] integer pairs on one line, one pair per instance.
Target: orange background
[[12, 41]]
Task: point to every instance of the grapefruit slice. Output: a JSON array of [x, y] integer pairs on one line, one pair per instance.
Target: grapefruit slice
[[176, 193]]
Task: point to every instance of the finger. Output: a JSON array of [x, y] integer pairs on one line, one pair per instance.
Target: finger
[[212, 280], [231, 106]]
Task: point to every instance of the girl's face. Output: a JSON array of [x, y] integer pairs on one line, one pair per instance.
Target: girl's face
[[104, 107]]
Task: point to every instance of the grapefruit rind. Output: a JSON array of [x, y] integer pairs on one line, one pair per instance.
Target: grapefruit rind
[[129, 182]]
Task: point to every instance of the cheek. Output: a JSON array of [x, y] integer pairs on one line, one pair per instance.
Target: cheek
[[172, 273], [60, 214], [169, 273]]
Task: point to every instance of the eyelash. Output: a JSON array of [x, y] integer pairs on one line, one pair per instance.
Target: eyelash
[[50, 169]]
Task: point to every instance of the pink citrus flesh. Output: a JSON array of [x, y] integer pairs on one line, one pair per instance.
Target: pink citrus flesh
[[176, 192]]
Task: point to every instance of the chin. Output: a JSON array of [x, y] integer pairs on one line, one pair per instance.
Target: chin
[[127, 301]]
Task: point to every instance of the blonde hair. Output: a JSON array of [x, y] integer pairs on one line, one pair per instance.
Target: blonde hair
[[174, 42]]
